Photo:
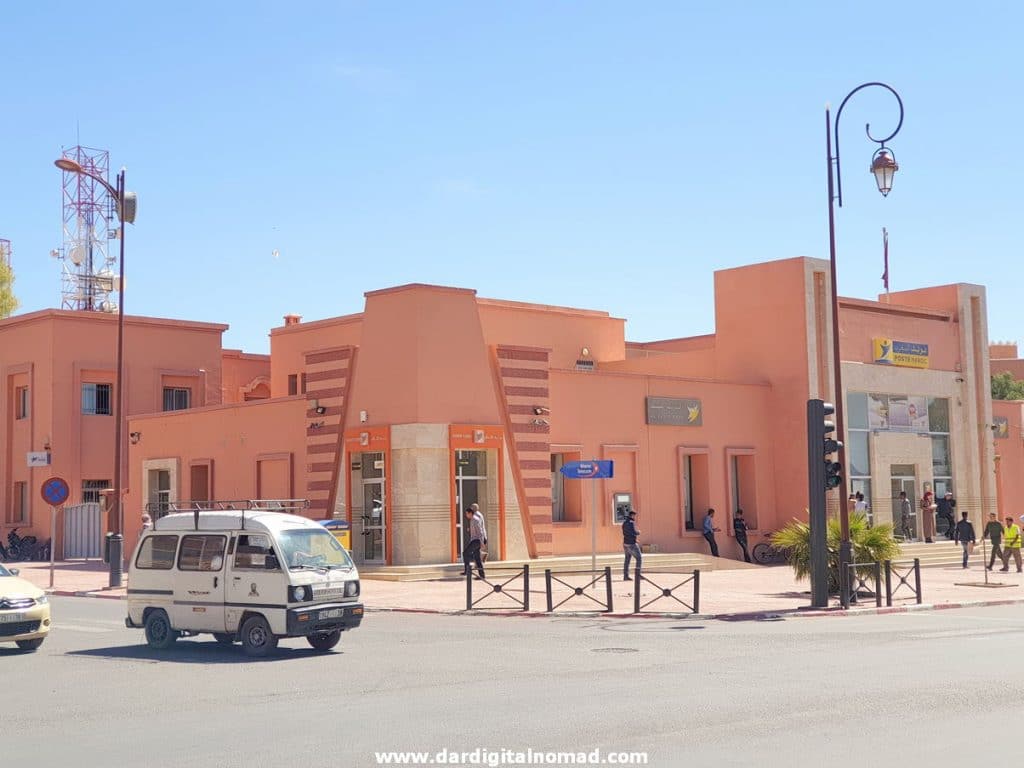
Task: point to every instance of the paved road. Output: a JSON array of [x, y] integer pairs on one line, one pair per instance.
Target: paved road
[[913, 689]]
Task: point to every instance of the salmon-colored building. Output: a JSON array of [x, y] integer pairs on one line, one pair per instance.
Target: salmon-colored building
[[432, 398], [57, 398]]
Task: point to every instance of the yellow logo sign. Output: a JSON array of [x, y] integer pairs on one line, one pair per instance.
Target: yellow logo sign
[[906, 354]]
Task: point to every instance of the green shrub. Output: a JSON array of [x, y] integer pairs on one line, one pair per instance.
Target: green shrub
[[870, 544]]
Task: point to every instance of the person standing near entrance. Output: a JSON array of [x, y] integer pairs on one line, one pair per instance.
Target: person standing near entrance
[[994, 531], [965, 535], [477, 539], [1011, 544], [928, 516], [629, 545], [739, 527], [946, 506], [709, 531], [905, 511]]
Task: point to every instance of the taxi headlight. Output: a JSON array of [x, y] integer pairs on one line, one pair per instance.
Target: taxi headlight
[[42, 600], [352, 588]]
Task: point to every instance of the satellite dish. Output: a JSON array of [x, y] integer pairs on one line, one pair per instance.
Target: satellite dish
[[76, 256], [275, 253], [55, 253]]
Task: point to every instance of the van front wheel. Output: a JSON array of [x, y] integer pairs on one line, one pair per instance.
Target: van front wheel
[[324, 641], [257, 639], [159, 633]]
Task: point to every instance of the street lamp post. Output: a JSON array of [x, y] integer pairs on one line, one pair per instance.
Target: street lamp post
[[126, 203], [883, 166]]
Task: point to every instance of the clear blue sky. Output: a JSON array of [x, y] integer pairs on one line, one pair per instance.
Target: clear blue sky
[[600, 155]]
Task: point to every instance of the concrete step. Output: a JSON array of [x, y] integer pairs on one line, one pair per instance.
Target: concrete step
[[652, 561]]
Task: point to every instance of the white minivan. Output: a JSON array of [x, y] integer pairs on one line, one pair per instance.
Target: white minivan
[[253, 576]]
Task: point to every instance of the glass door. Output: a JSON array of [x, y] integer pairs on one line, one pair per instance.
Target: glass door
[[369, 501], [470, 488], [904, 481]]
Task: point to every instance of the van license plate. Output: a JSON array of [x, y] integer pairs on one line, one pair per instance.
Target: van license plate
[[10, 618], [334, 613]]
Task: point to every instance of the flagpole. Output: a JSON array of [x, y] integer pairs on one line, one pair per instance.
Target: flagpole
[[885, 252]]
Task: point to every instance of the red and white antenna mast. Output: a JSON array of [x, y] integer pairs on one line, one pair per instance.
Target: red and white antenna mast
[[89, 272], [5, 251]]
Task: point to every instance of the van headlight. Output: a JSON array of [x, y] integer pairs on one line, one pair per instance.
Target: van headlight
[[352, 588], [300, 594]]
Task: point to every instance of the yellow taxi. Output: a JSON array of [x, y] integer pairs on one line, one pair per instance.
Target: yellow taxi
[[24, 611]]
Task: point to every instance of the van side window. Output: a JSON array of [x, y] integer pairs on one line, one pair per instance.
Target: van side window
[[251, 552], [202, 553], [157, 553]]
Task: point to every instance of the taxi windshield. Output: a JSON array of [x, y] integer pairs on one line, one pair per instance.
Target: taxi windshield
[[5, 572], [312, 547]]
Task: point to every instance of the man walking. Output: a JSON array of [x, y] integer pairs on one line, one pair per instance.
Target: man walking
[[739, 527], [905, 512], [946, 506], [1011, 544], [709, 531], [629, 545], [994, 531], [477, 539], [965, 535]]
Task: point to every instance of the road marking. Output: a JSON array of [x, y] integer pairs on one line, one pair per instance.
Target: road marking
[[84, 628]]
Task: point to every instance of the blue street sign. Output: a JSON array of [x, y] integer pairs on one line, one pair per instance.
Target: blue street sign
[[588, 470], [55, 491]]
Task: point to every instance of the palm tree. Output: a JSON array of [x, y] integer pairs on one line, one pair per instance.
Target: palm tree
[[871, 544]]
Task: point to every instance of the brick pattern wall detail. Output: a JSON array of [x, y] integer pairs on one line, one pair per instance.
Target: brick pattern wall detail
[[521, 374], [328, 376]]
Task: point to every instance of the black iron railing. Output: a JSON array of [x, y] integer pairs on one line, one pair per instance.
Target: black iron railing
[[689, 585], [500, 589], [578, 590]]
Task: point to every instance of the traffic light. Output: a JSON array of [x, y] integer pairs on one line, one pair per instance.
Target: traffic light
[[833, 469]]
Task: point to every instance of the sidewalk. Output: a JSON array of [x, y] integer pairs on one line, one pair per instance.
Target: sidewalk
[[726, 594]]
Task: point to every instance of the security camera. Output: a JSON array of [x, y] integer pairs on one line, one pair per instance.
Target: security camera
[[540, 410]]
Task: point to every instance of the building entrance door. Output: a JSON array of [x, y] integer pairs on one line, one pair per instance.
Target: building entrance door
[[369, 504], [904, 480], [470, 488]]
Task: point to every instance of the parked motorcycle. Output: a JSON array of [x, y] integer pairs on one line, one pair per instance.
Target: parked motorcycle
[[18, 547]]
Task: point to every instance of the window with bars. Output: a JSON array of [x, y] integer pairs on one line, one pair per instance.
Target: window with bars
[[177, 398], [91, 490], [19, 513], [96, 399]]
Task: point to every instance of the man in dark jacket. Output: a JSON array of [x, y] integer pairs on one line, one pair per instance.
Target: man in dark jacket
[[946, 505], [965, 535], [994, 531], [739, 527], [629, 545]]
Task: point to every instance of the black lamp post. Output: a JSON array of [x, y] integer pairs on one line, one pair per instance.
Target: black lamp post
[[883, 166], [126, 203]]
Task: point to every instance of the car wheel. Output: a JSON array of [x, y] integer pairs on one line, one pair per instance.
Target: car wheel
[[324, 641], [224, 638], [159, 633], [30, 645], [257, 639]]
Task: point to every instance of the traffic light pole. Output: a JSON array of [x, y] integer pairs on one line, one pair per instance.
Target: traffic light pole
[[816, 503]]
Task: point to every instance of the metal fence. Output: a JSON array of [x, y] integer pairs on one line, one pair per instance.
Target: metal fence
[[692, 581], [576, 590], [506, 589], [905, 574]]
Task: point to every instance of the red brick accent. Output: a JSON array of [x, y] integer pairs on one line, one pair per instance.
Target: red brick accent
[[524, 373], [321, 466], [336, 373], [323, 394], [535, 464], [328, 357], [522, 354], [539, 392], [319, 485], [536, 429], [534, 448], [326, 429], [321, 448], [537, 482]]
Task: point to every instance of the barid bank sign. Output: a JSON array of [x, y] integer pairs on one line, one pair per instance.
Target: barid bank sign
[[675, 411], [906, 354]]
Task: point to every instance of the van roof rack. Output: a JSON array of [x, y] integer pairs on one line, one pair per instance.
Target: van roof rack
[[159, 509]]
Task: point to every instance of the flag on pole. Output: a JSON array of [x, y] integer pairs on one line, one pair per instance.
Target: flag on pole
[[885, 252]]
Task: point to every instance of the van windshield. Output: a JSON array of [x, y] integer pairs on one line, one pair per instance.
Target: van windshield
[[312, 547]]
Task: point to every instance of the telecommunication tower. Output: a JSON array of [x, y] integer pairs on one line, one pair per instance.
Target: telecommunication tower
[[5, 251], [88, 267]]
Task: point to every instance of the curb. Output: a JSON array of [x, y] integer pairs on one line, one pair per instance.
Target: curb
[[740, 616]]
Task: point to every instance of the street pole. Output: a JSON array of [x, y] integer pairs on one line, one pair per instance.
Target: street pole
[[593, 523], [883, 166], [117, 513]]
